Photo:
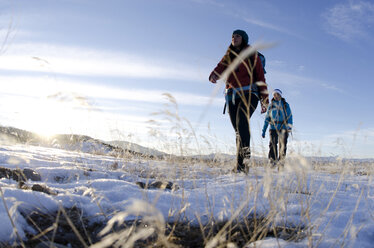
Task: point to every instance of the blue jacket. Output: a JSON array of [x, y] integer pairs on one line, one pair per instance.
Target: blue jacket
[[276, 116]]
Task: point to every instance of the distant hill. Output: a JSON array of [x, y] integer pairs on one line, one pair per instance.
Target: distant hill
[[11, 135], [136, 148], [86, 144], [74, 142]]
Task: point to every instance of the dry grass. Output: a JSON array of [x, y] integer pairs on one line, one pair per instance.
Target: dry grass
[[245, 226]]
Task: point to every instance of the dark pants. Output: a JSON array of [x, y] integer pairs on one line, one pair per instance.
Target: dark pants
[[278, 136], [240, 114]]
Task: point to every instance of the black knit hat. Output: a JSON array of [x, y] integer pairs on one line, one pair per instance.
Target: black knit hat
[[243, 34]]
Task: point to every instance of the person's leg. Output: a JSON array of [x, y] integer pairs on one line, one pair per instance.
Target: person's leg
[[240, 114], [283, 144], [245, 111], [233, 113], [273, 147]]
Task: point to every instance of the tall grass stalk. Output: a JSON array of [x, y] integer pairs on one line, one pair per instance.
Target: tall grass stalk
[[15, 230]]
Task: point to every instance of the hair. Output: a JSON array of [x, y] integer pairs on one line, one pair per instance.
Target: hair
[[243, 34]]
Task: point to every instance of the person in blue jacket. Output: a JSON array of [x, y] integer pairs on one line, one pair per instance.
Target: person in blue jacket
[[279, 116]]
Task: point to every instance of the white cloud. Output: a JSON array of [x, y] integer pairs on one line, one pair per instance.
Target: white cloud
[[255, 21], [355, 135], [46, 105], [356, 143], [296, 80], [263, 24], [301, 68], [89, 62], [276, 63], [47, 117], [80, 91], [211, 2], [350, 20]]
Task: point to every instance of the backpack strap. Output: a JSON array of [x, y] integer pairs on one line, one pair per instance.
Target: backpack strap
[[285, 112]]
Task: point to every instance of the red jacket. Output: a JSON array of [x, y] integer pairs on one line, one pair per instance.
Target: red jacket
[[241, 76]]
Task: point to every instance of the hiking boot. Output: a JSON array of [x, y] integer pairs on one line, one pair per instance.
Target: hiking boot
[[245, 153], [241, 168], [272, 163], [281, 165], [243, 156]]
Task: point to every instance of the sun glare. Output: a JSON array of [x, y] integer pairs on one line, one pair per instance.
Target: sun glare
[[48, 117]]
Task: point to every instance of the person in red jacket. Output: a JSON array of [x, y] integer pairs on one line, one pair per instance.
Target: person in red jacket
[[245, 87]]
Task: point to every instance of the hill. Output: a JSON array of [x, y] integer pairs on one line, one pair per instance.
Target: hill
[[76, 142]]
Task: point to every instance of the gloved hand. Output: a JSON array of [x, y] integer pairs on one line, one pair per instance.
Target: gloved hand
[[263, 134], [264, 106], [213, 78]]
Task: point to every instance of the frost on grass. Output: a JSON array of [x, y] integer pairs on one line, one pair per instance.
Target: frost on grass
[[308, 203]]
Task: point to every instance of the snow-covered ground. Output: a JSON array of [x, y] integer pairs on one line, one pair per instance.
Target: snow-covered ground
[[334, 202]]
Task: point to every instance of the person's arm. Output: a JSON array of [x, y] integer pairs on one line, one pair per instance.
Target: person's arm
[[261, 83], [266, 124], [216, 73], [289, 117]]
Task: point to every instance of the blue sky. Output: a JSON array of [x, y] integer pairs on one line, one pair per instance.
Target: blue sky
[[101, 68]]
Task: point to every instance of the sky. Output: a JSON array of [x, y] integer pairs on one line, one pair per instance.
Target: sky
[[103, 68]]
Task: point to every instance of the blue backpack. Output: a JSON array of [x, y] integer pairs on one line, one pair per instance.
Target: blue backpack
[[262, 58]]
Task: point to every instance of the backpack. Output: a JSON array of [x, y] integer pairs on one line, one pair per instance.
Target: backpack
[[262, 58]]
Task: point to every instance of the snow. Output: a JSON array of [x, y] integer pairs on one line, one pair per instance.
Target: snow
[[333, 203]]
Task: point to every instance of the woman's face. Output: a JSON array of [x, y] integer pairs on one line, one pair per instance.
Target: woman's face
[[236, 40], [277, 97]]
